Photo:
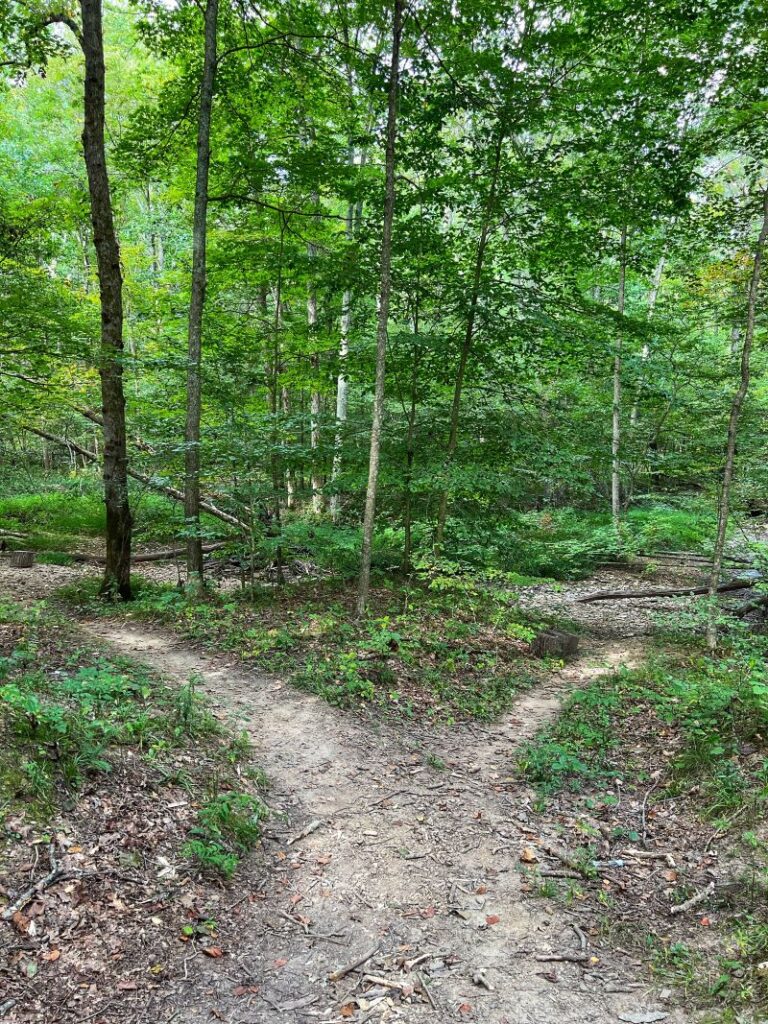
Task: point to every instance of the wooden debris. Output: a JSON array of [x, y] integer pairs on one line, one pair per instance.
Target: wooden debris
[[342, 972], [699, 897], [22, 559], [555, 643], [313, 826], [622, 595], [568, 957]]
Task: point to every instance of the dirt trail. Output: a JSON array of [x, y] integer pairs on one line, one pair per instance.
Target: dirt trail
[[421, 861]]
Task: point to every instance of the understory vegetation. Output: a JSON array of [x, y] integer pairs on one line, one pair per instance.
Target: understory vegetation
[[671, 755], [70, 713]]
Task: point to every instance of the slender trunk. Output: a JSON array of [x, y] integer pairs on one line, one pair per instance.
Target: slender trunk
[[117, 573], [469, 337], [354, 216], [723, 508], [410, 454], [314, 414], [616, 427], [197, 304], [653, 295], [385, 287]]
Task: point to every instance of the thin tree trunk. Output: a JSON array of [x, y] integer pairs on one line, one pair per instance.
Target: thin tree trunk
[[469, 337], [117, 572], [385, 287], [653, 295], [616, 426], [724, 504], [410, 454], [314, 359], [354, 215], [197, 305]]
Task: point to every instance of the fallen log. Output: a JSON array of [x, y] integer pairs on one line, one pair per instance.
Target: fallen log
[[750, 606], [624, 595], [170, 492], [149, 556]]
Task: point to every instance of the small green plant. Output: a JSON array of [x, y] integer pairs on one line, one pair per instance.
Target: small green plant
[[228, 826]]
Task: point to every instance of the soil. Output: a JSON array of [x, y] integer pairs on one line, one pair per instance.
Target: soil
[[416, 846]]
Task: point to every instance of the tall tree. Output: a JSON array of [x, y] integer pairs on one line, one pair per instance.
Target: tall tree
[[197, 302], [382, 323]]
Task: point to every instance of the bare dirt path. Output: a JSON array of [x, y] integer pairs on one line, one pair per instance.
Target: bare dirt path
[[420, 860]]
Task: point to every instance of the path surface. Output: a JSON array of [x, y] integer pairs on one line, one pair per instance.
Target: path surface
[[422, 863]]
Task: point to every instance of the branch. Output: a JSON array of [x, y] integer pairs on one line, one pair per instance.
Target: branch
[[620, 595]]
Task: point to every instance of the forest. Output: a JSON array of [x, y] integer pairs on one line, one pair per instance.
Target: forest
[[383, 500]]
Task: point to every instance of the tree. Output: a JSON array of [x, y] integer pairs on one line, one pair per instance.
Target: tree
[[382, 325], [197, 303]]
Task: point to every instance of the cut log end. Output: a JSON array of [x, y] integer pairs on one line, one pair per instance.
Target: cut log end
[[22, 559], [555, 643]]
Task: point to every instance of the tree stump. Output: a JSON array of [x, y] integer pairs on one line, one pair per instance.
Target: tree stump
[[22, 559], [555, 643]]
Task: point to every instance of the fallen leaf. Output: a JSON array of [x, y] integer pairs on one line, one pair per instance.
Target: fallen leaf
[[214, 951], [492, 919], [52, 955], [324, 859], [127, 985], [277, 964], [465, 1008], [20, 923], [670, 874], [428, 912], [481, 890], [528, 856], [347, 1010], [245, 990]]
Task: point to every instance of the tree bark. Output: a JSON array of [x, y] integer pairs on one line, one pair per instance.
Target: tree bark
[[616, 424], [197, 304], [117, 572], [469, 337], [382, 327], [314, 411], [724, 503]]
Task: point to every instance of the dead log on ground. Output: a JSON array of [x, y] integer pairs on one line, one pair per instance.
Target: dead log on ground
[[625, 595], [170, 492], [22, 559], [149, 556]]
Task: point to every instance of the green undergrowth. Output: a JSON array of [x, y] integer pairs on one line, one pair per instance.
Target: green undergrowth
[[59, 513], [679, 747], [69, 714], [449, 646], [709, 713]]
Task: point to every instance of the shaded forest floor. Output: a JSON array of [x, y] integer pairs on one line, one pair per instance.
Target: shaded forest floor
[[487, 892]]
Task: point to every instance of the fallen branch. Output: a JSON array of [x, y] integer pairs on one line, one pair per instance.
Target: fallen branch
[[750, 606], [621, 595], [151, 556], [170, 492], [567, 957], [694, 900], [342, 972], [54, 875], [313, 826]]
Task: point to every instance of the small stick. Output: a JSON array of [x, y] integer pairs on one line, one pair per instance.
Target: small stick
[[581, 935], [7, 1005], [423, 988], [342, 972], [54, 875], [645, 808], [651, 855], [576, 958], [694, 900], [374, 979], [313, 826]]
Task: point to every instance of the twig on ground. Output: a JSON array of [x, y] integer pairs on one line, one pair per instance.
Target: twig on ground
[[342, 972], [313, 826], [576, 958], [644, 809], [423, 988], [54, 875], [581, 936], [699, 897]]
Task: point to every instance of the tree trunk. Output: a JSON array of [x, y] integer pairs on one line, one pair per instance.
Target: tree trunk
[[354, 215], [469, 337], [616, 426], [385, 287], [653, 295], [410, 453], [117, 572], [197, 305], [314, 412], [724, 504]]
